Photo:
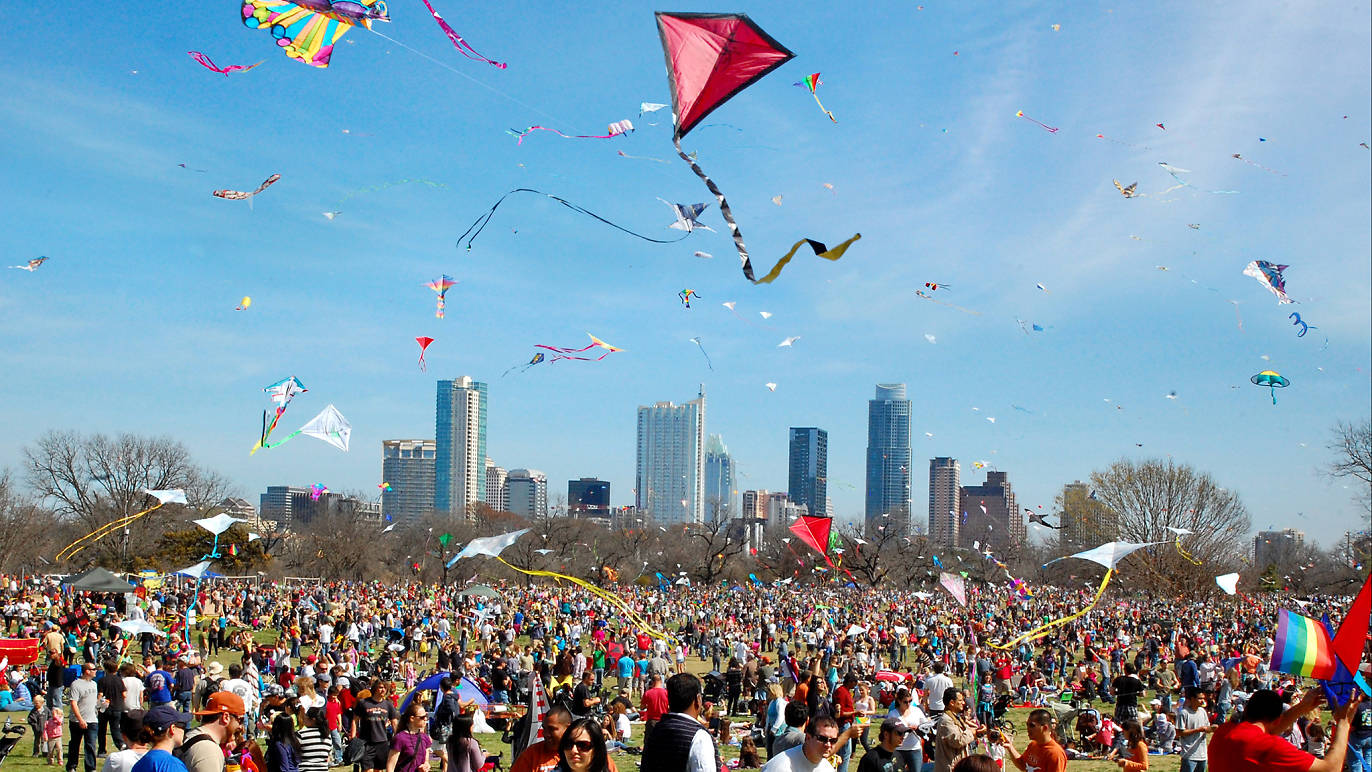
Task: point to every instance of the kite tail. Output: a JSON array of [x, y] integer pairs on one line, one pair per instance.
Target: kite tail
[[723, 208], [1038, 631], [458, 42], [100, 533], [1186, 554], [282, 441], [598, 592], [821, 106]]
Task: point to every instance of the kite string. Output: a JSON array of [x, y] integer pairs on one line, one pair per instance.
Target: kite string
[[597, 591], [479, 225], [1034, 633]]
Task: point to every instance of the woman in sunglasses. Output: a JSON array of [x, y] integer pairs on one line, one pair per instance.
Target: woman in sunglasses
[[410, 747], [583, 748]]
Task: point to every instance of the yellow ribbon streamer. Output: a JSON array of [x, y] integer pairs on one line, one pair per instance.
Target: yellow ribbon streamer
[[1059, 622], [598, 592], [101, 532], [820, 251], [1185, 554]]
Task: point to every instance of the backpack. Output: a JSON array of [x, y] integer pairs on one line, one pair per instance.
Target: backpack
[[180, 753]]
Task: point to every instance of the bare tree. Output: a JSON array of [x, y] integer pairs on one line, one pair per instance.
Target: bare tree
[[27, 531], [1352, 442], [93, 480], [1149, 497]]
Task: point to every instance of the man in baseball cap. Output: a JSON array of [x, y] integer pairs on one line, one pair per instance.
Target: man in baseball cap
[[163, 717], [221, 717]]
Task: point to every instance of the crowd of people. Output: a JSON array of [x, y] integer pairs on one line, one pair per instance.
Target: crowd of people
[[301, 677]]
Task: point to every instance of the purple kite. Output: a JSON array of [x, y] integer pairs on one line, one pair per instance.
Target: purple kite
[[210, 65]]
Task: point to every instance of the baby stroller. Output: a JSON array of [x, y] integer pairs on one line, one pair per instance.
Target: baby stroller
[[1084, 728], [714, 686], [10, 737], [998, 710]]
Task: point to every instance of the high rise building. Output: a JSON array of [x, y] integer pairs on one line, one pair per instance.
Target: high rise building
[[781, 511], [669, 477], [755, 504], [1277, 548], [888, 454], [990, 516], [408, 467], [719, 481], [285, 505], [808, 482], [944, 491], [497, 495], [1084, 522], [460, 451], [528, 489], [588, 497]]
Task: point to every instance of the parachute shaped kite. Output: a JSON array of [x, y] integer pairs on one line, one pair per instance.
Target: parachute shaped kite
[[457, 41], [813, 82], [711, 57], [209, 65], [33, 264], [280, 393], [308, 30], [565, 353], [1270, 276], [164, 497], [423, 342], [686, 216], [441, 285], [1272, 380]]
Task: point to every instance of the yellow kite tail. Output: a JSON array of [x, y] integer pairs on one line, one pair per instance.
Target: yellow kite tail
[[100, 533], [821, 106], [1186, 554], [598, 592], [1059, 622]]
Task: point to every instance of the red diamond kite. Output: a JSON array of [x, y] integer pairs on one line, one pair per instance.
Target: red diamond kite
[[814, 531]]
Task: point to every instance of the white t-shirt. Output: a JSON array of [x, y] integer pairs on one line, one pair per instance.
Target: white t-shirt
[[794, 760], [133, 693], [910, 719], [934, 688], [624, 727], [123, 761]]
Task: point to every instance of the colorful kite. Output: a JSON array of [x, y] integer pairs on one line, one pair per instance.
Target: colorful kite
[[31, 265], [1272, 380], [441, 286], [813, 82], [423, 342], [308, 30], [1128, 192], [240, 195], [955, 585], [169, 496], [317, 491], [244, 304], [1270, 276], [1348, 645], [686, 296], [696, 340], [329, 426], [477, 227], [458, 42], [934, 286], [538, 358], [280, 393], [1046, 127], [687, 216], [565, 353], [205, 61], [386, 487], [1298, 323], [613, 130]]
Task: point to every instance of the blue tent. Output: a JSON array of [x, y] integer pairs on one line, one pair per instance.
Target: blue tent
[[467, 690]]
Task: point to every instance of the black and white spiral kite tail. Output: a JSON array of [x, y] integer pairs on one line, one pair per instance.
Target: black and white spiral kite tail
[[723, 208]]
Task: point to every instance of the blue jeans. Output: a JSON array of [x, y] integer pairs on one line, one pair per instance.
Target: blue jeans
[[90, 736], [336, 738], [1188, 765], [845, 751], [1360, 753]]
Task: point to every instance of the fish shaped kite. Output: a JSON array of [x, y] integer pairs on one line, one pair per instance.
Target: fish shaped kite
[[329, 426], [225, 71], [441, 285], [240, 195], [423, 342], [31, 265], [565, 353], [280, 394], [1270, 276], [711, 57], [457, 41], [307, 30], [813, 82], [1130, 191]]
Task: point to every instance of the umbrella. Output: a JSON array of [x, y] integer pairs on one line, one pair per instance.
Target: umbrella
[[480, 591], [137, 626]]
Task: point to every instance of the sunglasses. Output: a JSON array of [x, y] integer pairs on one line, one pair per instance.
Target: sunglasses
[[825, 740], [584, 746]]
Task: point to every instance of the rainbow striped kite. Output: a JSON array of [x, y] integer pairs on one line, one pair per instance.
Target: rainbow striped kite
[[1302, 648]]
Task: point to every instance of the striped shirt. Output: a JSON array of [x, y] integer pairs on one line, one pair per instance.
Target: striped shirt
[[315, 748]]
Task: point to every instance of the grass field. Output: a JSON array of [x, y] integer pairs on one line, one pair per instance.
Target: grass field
[[19, 760]]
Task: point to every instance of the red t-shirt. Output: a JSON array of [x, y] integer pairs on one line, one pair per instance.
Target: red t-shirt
[[333, 711], [846, 708], [654, 704], [1045, 757], [1245, 747]]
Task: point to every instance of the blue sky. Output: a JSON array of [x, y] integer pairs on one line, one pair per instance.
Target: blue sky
[[130, 326]]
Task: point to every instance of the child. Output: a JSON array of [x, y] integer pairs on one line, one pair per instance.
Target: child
[[52, 734], [38, 719], [1315, 739], [747, 754]]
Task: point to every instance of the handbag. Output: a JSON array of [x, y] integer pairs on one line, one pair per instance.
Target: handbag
[[354, 750]]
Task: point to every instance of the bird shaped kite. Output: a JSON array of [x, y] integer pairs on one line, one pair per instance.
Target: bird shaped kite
[[1128, 192], [31, 265], [1270, 276], [307, 30], [686, 216], [441, 285]]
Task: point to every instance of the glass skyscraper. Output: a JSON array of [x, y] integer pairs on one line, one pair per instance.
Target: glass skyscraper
[[808, 482], [408, 467], [719, 481], [460, 445], [888, 454], [669, 477]]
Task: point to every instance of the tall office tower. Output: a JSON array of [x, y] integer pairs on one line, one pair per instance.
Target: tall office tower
[[944, 490], [408, 467], [992, 518], [1084, 522], [528, 492], [1277, 548], [588, 497], [781, 511], [670, 469], [285, 505], [497, 495], [460, 457], [808, 482], [755, 503], [888, 455], [719, 481]]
